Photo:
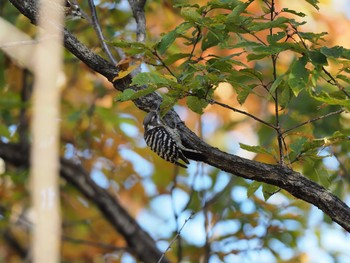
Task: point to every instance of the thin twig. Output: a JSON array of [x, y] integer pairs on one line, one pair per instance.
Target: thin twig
[[175, 238], [312, 120], [242, 112], [253, 35], [274, 61], [163, 63], [207, 245], [176, 216], [346, 173], [198, 37], [99, 33], [336, 83], [207, 248]]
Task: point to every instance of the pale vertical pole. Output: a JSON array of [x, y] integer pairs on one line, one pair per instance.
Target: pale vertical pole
[[45, 125]]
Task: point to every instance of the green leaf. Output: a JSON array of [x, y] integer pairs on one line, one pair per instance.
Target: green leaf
[[139, 93], [175, 57], [298, 145], [313, 3], [252, 73], [235, 16], [295, 23], [346, 53], [223, 4], [167, 103], [331, 98], [269, 190], [313, 37], [154, 79], [262, 51], [276, 37], [195, 104], [219, 65], [166, 41], [130, 48], [336, 138], [339, 188], [286, 94], [244, 92], [181, 5], [323, 177], [247, 44], [130, 94], [277, 23], [126, 44], [169, 38], [125, 95], [343, 78], [315, 144], [256, 149], [258, 56], [293, 12], [209, 40], [276, 83], [298, 76], [191, 14], [252, 188], [318, 58], [334, 52]]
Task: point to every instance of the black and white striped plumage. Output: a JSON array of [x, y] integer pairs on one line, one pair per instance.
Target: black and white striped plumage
[[164, 140], [72, 10]]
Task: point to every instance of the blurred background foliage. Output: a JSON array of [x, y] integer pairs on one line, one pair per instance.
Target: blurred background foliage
[[222, 218]]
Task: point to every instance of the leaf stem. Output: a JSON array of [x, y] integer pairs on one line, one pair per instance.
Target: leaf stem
[[97, 28], [277, 119], [335, 82], [312, 120], [163, 64], [242, 112]]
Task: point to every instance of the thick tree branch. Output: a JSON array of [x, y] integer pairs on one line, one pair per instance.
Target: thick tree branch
[[137, 7], [138, 240], [282, 177]]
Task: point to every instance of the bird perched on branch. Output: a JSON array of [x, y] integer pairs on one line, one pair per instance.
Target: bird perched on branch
[[72, 10], [165, 141]]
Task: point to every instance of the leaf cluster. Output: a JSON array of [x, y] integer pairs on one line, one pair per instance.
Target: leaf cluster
[[219, 37]]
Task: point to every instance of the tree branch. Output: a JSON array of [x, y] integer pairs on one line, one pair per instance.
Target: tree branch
[[283, 177], [137, 7], [243, 112], [138, 240], [312, 120], [97, 27]]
